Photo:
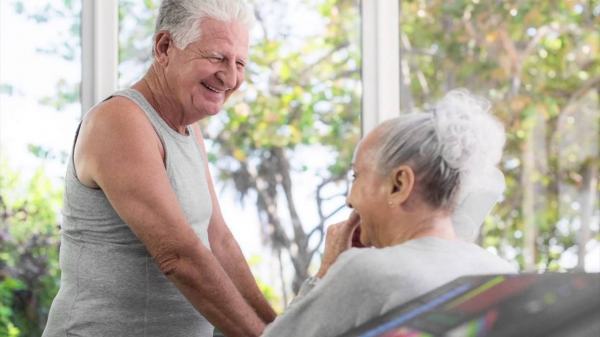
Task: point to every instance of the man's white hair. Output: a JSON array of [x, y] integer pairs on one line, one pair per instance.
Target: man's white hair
[[181, 18]]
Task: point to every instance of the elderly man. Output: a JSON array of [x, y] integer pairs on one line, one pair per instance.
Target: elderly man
[[145, 250]]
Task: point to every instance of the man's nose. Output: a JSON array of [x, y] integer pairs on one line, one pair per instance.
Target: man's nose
[[228, 76]]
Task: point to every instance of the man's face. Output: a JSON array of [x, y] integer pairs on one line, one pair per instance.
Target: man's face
[[206, 72]]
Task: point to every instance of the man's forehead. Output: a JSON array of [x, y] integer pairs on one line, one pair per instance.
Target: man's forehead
[[219, 37], [213, 29]]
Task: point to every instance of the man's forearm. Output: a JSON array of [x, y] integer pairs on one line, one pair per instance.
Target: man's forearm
[[231, 258], [203, 281]]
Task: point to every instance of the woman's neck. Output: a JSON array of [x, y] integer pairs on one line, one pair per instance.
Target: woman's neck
[[436, 224]]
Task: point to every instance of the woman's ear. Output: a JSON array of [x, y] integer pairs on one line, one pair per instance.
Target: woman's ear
[[403, 182], [162, 43]]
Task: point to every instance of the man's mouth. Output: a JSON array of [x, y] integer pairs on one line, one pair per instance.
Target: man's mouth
[[213, 89]]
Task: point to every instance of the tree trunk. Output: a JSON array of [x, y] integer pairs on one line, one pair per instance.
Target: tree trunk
[[528, 207], [533, 191], [588, 200]]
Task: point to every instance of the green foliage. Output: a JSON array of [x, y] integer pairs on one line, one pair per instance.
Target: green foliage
[[6, 89], [302, 96], [65, 94], [268, 291], [535, 59], [45, 153], [29, 273], [136, 26], [8, 287], [538, 62], [67, 45]]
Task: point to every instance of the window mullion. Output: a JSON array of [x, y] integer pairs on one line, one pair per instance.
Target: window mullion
[[99, 48], [381, 62]]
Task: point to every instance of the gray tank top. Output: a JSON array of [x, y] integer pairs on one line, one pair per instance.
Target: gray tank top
[[110, 285]]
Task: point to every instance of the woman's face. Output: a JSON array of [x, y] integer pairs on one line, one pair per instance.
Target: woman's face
[[369, 192], [206, 72]]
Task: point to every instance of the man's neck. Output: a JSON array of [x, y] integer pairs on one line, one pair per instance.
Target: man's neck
[[157, 92]]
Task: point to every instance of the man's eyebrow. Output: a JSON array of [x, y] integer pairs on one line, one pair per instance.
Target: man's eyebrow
[[219, 54], [211, 53]]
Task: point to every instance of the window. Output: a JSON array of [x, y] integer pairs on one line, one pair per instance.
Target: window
[[32, 99], [537, 62], [291, 128], [40, 71]]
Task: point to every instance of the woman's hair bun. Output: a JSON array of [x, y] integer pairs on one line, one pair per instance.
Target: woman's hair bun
[[470, 137]]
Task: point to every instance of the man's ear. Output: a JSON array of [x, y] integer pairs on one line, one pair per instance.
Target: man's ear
[[402, 183], [162, 44]]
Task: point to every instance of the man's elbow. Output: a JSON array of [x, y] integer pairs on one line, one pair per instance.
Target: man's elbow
[[172, 258], [168, 263]]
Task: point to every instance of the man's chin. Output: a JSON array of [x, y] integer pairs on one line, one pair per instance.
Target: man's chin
[[210, 111], [207, 107]]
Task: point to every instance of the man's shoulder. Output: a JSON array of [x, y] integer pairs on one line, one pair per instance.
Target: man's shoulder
[[114, 108], [116, 115]]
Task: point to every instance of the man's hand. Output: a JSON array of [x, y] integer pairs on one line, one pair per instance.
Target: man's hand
[[339, 239]]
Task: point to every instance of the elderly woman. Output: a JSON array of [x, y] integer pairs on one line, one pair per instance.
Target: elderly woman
[[408, 173], [144, 247]]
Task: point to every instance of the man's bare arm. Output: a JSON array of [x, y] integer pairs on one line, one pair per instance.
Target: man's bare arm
[[118, 154], [229, 254]]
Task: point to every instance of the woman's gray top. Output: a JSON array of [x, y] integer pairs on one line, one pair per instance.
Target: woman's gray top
[[110, 285], [367, 282]]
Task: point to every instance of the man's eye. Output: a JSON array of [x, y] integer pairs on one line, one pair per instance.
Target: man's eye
[[215, 59], [241, 64]]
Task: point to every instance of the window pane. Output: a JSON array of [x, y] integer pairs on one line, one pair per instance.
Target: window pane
[[39, 83], [537, 61], [285, 141], [40, 62]]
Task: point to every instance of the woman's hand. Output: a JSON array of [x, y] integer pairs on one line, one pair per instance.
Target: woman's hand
[[338, 240]]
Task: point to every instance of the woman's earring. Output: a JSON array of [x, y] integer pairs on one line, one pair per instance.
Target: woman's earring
[[390, 203]]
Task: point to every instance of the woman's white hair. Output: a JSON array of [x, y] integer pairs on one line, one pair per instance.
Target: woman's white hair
[[181, 18], [470, 137], [457, 139]]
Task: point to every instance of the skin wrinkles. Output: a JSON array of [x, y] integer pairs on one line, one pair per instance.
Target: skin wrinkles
[[387, 207], [182, 86], [120, 152]]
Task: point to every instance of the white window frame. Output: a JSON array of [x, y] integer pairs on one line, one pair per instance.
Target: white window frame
[[99, 51], [380, 57], [380, 62]]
